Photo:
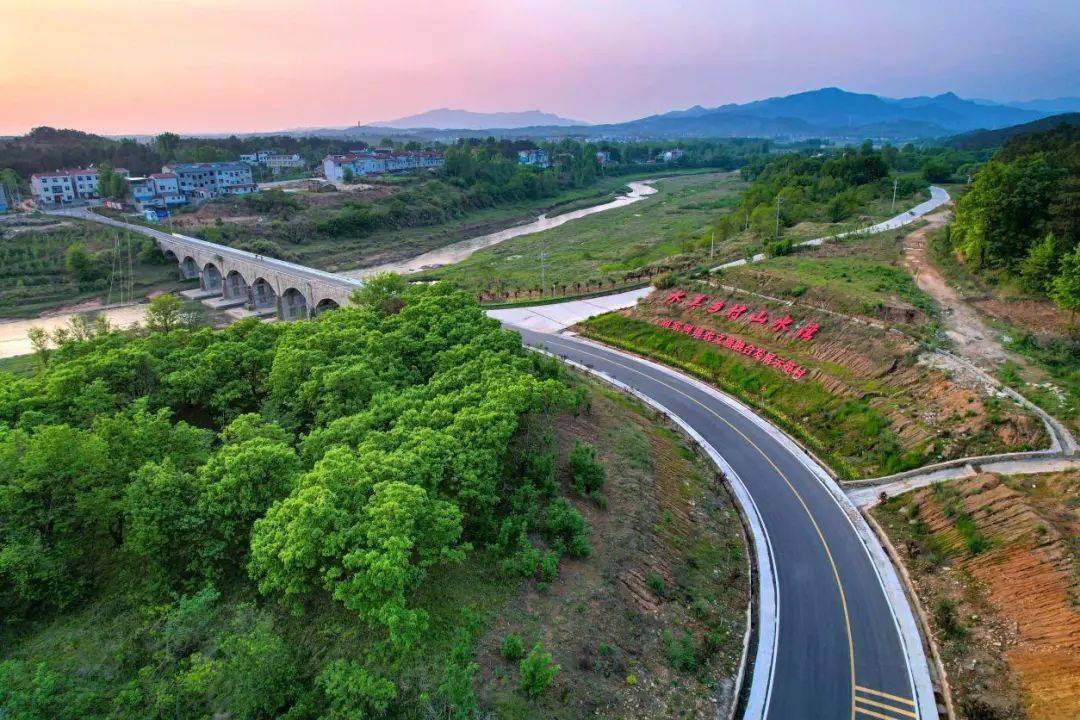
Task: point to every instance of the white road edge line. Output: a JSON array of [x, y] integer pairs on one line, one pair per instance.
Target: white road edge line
[[904, 619], [760, 694]]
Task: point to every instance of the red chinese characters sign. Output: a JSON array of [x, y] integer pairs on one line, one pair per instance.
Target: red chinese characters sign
[[737, 345], [737, 311]]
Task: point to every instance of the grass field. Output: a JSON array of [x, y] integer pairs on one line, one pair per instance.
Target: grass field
[[677, 220], [290, 224], [855, 276]]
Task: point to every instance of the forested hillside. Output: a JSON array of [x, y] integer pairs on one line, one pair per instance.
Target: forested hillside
[[1021, 218], [143, 460], [323, 519]]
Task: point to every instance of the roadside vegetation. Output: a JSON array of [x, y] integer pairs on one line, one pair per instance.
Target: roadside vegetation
[[346, 517], [994, 562], [853, 407], [47, 263]]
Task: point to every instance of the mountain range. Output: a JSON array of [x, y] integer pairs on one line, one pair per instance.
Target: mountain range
[[824, 113], [447, 118]]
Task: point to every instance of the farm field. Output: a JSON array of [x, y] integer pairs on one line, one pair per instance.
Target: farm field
[[46, 264]]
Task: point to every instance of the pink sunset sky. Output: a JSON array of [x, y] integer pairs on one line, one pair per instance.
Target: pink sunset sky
[[127, 66]]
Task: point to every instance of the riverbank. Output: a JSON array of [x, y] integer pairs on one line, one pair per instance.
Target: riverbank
[[463, 250]]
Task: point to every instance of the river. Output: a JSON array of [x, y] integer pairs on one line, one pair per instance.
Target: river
[[13, 339], [462, 250]]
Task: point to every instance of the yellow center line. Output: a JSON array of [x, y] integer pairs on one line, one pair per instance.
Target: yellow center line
[[871, 713], [890, 708], [806, 508], [872, 691]]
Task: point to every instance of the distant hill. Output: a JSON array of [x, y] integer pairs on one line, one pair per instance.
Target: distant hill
[[447, 118], [1052, 105], [983, 139], [829, 112]]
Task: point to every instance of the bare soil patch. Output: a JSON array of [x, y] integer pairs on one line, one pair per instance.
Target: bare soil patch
[[668, 562], [994, 560], [972, 337]]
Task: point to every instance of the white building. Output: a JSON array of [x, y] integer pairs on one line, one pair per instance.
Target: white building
[[207, 180], [535, 157], [375, 162], [277, 163], [156, 191], [65, 186]]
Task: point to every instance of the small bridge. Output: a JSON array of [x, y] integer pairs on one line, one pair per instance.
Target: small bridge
[[262, 285], [243, 282]]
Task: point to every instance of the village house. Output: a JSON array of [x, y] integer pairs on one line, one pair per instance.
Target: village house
[[535, 157], [65, 186], [198, 181], [375, 162]]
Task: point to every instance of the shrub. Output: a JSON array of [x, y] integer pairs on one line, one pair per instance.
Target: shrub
[[537, 671], [587, 474], [512, 648], [680, 652], [549, 566], [353, 692], [565, 525], [947, 621], [656, 584]]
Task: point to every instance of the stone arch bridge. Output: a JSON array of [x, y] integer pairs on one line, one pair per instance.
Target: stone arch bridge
[[230, 278], [240, 280]]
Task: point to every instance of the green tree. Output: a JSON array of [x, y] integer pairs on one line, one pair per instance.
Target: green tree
[[538, 671], [384, 292], [1038, 269], [1066, 288], [167, 144], [39, 342], [163, 314], [352, 692]]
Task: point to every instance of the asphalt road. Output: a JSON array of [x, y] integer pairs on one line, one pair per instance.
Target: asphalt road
[[839, 652]]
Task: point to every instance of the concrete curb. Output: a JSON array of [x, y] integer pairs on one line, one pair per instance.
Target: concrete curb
[[766, 590]]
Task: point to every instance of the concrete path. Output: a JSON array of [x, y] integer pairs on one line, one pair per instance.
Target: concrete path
[[867, 496], [557, 316]]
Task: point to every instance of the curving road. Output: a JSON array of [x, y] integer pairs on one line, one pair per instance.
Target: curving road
[[836, 638]]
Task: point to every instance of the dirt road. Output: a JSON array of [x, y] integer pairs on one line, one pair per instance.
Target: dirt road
[[973, 338]]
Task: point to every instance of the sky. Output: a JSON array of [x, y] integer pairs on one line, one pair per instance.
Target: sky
[[145, 66]]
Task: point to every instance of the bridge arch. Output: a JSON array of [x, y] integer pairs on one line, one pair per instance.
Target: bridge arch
[[211, 279], [236, 286], [326, 304], [262, 294], [170, 256], [189, 269], [293, 305]]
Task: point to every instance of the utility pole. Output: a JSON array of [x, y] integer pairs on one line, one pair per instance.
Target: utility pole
[[543, 266], [778, 199], [895, 183], [712, 244]]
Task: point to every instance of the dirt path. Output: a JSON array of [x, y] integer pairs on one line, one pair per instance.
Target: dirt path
[[973, 338]]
